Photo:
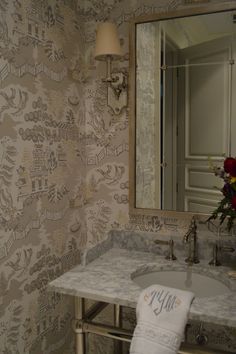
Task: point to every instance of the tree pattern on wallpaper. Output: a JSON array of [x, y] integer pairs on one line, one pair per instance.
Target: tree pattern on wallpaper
[[41, 121]]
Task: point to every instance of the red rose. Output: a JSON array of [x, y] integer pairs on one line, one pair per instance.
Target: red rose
[[233, 202], [230, 166]]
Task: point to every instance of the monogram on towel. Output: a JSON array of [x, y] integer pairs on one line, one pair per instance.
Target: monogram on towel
[[161, 300], [162, 314]]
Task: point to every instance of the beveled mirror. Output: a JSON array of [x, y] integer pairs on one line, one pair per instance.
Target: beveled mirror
[[182, 108]]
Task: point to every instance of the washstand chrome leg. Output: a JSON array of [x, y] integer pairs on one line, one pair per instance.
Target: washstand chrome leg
[[78, 329], [118, 324]]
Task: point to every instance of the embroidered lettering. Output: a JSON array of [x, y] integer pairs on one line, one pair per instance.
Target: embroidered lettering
[[162, 300]]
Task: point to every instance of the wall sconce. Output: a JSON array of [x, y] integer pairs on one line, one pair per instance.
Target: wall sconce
[[108, 49]]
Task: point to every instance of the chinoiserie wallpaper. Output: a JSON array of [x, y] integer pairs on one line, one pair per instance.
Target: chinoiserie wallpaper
[[42, 176], [63, 159]]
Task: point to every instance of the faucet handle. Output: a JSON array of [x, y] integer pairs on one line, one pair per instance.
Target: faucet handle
[[215, 259], [170, 256], [216, 250]]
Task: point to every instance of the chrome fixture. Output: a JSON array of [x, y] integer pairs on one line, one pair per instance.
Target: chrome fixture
[[216, 253], [170, 256], [107, 49], [201, 338], [215, 259], [191, 239]]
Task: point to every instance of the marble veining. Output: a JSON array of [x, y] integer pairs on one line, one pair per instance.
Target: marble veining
[[108, 279], [144, 241]]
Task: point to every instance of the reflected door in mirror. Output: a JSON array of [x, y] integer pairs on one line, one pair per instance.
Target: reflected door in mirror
[[185, 114]]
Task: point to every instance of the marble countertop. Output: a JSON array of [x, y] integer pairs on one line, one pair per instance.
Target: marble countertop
[[108, 279]]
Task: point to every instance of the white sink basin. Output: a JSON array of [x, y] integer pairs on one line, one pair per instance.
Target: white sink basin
[[200, 285]]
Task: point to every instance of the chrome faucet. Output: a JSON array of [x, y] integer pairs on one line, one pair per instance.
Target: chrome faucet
[[216, 252], [215, 259], [170, 256], [191, 239]]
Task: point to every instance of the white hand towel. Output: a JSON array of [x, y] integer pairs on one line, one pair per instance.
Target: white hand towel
[[162, 314]]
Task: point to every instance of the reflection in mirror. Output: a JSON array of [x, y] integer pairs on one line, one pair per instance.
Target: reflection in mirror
[[185, 111]]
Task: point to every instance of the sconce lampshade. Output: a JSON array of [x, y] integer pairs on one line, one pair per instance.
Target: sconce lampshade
[[107, 42]]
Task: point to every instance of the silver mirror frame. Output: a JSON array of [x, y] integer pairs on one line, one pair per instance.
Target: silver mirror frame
[[211, 8]]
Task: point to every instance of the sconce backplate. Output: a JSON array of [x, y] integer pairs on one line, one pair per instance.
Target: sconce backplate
[[117, 92]]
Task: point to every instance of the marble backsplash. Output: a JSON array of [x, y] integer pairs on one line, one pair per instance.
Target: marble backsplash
[[144, 241]]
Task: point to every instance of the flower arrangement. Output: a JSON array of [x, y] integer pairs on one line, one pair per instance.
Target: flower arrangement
[[227, 206]]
